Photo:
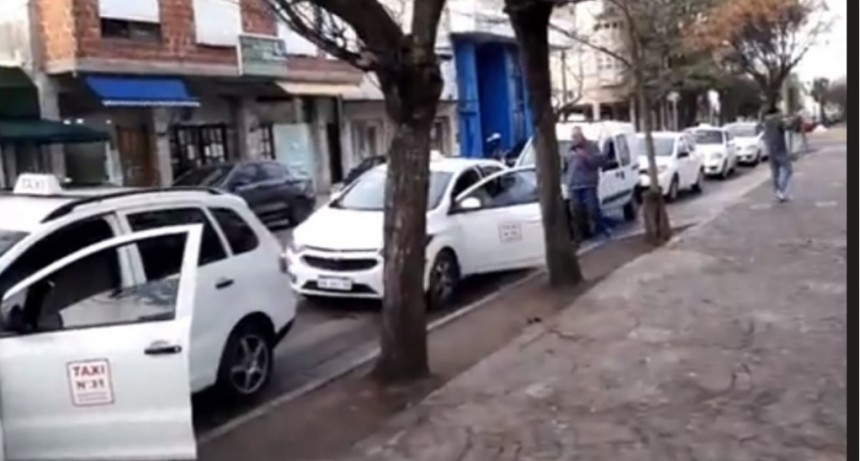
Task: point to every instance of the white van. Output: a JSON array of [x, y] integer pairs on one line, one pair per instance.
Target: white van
[[619, 179]]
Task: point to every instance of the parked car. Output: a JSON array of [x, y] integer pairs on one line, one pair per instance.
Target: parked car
[[501, 231], [244, 305], [363, 166], [274, 194], [748, 142], [717, 148], [678, 166], [620, 177]]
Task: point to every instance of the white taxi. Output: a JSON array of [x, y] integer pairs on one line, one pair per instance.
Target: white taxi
[[678, 166], [104, 375], [244, 307], [482, 217], [717, 149]]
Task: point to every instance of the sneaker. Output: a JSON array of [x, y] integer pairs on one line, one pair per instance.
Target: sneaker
[[780, 196]]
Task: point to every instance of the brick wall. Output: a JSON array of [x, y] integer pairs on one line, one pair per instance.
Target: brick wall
[[57, 29]]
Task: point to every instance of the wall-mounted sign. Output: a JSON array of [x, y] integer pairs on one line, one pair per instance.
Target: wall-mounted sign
[[262, 56]]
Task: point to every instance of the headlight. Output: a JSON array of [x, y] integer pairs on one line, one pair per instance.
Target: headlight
[[717, 155]]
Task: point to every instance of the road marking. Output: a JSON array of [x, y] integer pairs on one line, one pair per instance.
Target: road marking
[[761, 206], [372, 350], [826, 204]]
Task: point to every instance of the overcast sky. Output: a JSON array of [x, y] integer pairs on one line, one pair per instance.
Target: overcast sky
[[829, 57]]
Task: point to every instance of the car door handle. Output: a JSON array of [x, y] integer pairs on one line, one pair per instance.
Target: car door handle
[[162, 348], [223, 283]]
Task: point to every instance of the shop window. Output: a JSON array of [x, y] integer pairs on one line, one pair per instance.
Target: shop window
[[194, 146], [131, 30]]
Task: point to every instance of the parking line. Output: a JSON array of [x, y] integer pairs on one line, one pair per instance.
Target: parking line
[[370, 351]]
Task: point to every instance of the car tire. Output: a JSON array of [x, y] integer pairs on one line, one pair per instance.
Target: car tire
[[246, 362], [444, 279], [699, 185], [674, 190], [726, 171], [631, 209]]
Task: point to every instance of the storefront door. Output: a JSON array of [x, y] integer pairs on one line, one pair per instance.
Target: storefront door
[[136, 156]]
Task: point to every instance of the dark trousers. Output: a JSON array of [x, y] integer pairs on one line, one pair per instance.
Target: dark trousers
[[587, 198]]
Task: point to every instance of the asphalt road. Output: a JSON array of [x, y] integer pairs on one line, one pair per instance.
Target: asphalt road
[[328, 334]]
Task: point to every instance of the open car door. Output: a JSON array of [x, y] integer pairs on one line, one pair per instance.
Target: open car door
[[499, 222], [94, 362]]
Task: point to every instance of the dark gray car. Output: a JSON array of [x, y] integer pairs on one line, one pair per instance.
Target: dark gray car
[[274, 194]]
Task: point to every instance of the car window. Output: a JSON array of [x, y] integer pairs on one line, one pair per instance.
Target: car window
[[466, 180], [211, 248], [60, 243], [272, 170], [367, 193], [206, 176], [239, 234], [622, 150], [90, 293], [247, 174], [489, 170], [509, 189], [708, 136]]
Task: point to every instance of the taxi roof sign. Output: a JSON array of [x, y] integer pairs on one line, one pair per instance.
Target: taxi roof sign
[[37, 184]]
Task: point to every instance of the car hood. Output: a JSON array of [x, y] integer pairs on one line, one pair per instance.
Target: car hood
[[707, 149], [660, 161], [746, 142], [338, 229]]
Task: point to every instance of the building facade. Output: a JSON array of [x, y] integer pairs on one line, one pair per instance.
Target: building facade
[[183, 83]]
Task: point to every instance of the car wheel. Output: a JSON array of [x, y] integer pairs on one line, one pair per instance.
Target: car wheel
[[444, 279], [631, 209], [247, 362], [674, 187], [726, 171], [699, 185]]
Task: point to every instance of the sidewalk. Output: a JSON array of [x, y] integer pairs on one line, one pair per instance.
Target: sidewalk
[[728, 344]]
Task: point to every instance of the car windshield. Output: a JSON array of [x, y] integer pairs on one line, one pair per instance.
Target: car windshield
[[708, 136], [8, 239], [742, 130], [663, 146], [206, 176], [368, 191]]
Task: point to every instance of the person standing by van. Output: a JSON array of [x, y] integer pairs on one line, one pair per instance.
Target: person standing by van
[[584, 162]]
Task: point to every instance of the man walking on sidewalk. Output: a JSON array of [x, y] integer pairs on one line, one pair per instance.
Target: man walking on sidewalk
[[774, 132], [583, 176]]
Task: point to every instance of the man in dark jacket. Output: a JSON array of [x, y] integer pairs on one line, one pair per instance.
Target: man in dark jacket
[[583, 177], [774, 130]]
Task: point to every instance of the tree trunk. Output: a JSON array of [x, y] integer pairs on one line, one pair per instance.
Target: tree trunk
[[658, 229], [530, 21], [411, 98]]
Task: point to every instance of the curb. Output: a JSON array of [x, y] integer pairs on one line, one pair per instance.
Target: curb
[[371, 350]]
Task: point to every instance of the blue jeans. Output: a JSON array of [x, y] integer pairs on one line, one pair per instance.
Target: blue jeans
[[588, 199], [780, 171]]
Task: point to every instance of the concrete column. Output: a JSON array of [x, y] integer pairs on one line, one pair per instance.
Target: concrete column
[[161, 144], [247, 126]]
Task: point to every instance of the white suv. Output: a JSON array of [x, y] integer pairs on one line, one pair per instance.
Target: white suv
[[244, 305]]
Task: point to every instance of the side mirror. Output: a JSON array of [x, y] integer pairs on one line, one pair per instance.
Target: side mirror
[[240, 184], [683, 154], [469, 204], [611, 165]]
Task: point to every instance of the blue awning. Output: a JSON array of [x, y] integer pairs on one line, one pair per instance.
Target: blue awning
[[140, 91]]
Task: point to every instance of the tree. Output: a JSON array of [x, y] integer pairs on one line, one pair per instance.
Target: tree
[[365, 34], [530, 21], [819, 92], [649, 48], [766, 39], [837, 96]]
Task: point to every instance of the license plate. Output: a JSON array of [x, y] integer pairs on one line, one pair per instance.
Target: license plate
[[335, 283]]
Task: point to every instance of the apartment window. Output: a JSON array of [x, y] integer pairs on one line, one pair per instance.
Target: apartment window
[[195, 146], [131, 30]]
